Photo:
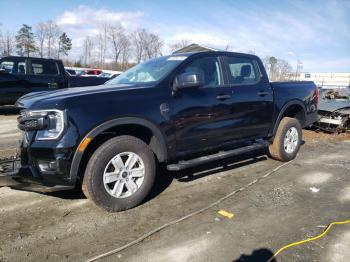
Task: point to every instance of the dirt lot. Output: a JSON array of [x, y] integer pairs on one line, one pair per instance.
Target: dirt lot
[[291, 204]]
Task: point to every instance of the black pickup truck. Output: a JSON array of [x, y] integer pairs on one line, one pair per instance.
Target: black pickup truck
[[182, 110], [23, 75]]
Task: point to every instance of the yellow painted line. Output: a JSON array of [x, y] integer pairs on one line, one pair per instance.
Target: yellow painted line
[[309, 239], [226, 214]]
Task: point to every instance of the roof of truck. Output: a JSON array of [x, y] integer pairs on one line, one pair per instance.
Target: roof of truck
[[219, 52], [29, 57]]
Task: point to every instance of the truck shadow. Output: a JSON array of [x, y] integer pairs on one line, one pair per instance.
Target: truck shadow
[[9, 110], [165, 178], [258, 255]]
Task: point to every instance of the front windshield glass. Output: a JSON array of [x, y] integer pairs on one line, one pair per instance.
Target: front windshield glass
[[149, 71]]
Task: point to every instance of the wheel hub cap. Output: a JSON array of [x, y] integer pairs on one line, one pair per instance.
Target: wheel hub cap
[[124, 175], [291, 140]]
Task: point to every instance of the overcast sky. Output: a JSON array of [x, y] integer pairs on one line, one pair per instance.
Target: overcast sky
[[315, 32]]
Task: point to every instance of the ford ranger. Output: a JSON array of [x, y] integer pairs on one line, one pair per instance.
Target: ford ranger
[[182, 110]]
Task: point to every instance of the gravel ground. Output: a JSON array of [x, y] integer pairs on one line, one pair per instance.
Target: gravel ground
[[9, 135], [272, 212]]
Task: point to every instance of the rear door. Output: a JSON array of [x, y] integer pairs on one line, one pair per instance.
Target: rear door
[[44, 75], [13, 82], [252, 97]]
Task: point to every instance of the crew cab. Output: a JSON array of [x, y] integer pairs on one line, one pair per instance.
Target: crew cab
[[23, 75], [181, 110]]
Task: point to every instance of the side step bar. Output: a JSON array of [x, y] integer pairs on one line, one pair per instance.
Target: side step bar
[[217, 156]]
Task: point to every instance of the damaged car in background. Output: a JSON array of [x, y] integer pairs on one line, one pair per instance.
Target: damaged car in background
[[334, 112]]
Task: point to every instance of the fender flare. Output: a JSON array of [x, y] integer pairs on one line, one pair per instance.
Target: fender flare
[[283, 110], [162, 156]]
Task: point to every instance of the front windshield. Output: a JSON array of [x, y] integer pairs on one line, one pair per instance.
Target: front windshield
[[149, 71]]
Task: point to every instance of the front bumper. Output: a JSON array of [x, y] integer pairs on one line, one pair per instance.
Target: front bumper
[[26, 178], [38, 166]]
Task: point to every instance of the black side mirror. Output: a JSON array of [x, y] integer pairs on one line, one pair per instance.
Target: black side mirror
[[188, 80]]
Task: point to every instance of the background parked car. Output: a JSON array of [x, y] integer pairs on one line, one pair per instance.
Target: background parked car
[[110, 74], [22, 75], [71, 72]]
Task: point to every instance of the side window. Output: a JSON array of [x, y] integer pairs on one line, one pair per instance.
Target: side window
[[42, 67], [17, 67], [7, 66], [242, 70], [21, 68], [208, 67]]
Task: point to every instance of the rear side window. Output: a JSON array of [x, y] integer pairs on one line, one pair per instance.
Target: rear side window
[[17, 67], [243, 70], [42, 67]]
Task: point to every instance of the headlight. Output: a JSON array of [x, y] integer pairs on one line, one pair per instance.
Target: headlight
[[49, 124]]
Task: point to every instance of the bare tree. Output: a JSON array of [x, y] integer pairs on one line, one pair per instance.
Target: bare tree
[[41, 35], [146, 45], [119, 41], [283, 70], [53, 32], [8, 44], [153, 45], [278, 69], [179, 44], [88, 47], [138, 39], [125, 54], [102, 44]]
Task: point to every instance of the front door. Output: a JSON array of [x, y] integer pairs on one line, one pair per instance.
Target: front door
[[202, 115]]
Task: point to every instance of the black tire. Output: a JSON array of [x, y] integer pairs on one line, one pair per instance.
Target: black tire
[[277, 149], [93, 185]]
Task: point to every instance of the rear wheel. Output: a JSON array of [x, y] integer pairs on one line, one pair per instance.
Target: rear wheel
[[120, 174], [287, 140]]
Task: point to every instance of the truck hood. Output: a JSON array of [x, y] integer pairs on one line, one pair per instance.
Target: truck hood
[[30, 99]]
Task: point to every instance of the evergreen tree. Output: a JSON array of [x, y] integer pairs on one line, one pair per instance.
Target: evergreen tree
[[64, 44], [25, 41]]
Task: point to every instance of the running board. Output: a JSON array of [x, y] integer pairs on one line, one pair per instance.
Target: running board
[[217, 156]]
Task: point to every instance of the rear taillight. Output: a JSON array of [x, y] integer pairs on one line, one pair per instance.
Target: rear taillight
[[317, 94]]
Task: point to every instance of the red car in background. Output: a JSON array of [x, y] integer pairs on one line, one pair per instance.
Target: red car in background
[[92, 72]]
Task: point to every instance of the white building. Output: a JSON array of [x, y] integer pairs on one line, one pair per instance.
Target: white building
[[327, 80]]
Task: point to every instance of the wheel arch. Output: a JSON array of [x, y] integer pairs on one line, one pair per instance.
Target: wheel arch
[[111, 128], [295, 109]]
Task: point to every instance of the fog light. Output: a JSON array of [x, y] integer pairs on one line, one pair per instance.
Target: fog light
[[45, 166]]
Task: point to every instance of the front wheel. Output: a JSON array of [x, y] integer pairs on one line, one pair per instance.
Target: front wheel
[[120, 174], [287, 140]]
